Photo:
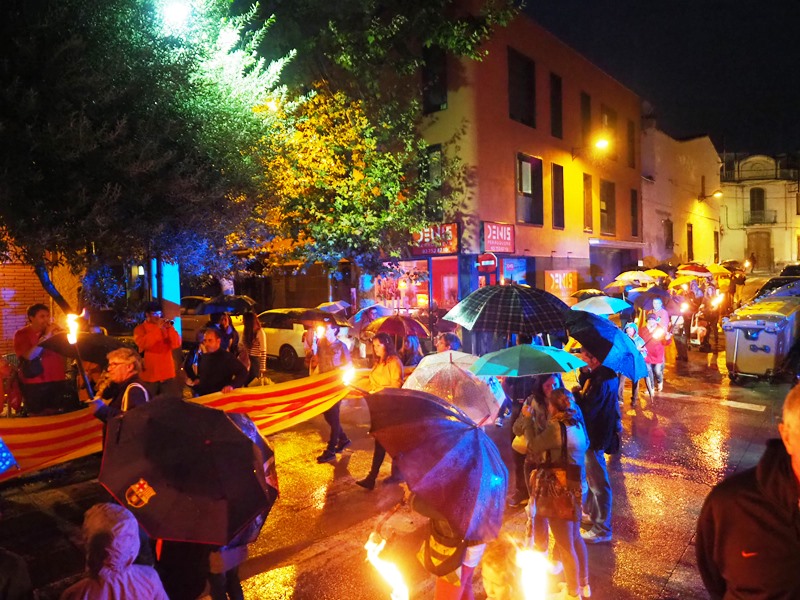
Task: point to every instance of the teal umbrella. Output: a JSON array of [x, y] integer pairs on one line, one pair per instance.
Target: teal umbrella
[[522, 360], [602, 305]]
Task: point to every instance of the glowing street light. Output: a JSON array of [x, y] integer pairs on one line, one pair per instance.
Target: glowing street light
[[176, 14], [601, 144]]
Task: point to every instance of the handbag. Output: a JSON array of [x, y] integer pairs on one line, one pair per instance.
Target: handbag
[[31, 368], [557, 494], [519, 444]]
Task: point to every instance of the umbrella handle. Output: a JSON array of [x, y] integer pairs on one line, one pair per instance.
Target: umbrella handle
[[387, 516]]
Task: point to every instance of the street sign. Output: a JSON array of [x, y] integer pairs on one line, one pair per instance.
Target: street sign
[[487, 263]]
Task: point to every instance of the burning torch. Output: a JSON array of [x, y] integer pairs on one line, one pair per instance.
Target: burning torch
[[72, 338]]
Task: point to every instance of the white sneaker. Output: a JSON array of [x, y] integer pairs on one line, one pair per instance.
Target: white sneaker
[[661, 387], [591, 537], [586, 591]]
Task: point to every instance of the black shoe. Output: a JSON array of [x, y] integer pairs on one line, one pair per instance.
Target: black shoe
[[368, 483], [342, 445], [326, 457]]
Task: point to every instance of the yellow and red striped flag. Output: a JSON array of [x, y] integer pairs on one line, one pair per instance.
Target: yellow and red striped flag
[[40, 442]]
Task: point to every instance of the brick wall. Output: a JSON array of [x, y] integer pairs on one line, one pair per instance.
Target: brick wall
[[19, 288]]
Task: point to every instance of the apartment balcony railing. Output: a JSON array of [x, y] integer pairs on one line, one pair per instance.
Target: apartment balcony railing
[[732, 175], [760, 217]]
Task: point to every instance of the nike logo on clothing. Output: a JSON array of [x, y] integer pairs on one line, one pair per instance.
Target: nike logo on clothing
[[748, 554]]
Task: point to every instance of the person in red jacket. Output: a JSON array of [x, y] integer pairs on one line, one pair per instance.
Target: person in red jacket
[[747, 542], [655, 339], [156, 338]]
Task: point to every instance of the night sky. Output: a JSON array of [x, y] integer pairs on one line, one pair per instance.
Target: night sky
[[726, 68]]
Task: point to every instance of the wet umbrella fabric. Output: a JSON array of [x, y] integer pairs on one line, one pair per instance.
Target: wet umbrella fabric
[[317, 316], [334, 307], [357, 320], [92, 346], [524, 360], [447, 460], [399, 326], [631, 276], [587, 293], [186, 471], [644, 300], [461, 388], [602, 305], [607, 343], [507, 309], [226, 303], [695, 270]]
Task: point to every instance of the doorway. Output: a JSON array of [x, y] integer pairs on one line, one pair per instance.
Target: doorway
[[760, 244]]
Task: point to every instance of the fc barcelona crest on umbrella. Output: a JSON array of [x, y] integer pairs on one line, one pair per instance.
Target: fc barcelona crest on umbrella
[[139, 494]]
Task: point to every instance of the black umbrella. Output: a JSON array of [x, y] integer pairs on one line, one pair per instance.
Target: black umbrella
[[507, 309], [315, 315], [186, 471], [587, 293], [644, 299], [607, 343], [92, 346], [226, 303], [447, 460]]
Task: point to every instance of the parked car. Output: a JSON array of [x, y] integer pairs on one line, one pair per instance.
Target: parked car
[[191, 322], [773, 284], [284, 331], [791, 270]]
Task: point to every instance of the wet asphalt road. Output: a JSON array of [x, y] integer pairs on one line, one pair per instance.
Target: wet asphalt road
[[697, 431]]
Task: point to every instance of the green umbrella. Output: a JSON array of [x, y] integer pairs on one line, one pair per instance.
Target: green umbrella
[[522, 360]]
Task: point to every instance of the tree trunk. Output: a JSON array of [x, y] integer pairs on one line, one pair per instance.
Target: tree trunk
[[44, 278]]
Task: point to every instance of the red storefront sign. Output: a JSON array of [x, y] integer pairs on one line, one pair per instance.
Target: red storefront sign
[[498, 237], [561, 283], [436, 239]]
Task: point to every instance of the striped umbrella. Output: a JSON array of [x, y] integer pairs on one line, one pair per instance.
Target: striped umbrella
[[507, 309]]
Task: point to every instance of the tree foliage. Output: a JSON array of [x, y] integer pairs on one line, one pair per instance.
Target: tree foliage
[[121, 139]]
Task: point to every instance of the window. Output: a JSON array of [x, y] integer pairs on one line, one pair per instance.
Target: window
[[556, 109], [432, 174], [631, 144], [608, 206], [634, 213], [586, 119], [588, 205], [757, 203], [521, 88], [608, 120], [689, 243], [557, 185], [530, 194], [669, 239], [434, 80]]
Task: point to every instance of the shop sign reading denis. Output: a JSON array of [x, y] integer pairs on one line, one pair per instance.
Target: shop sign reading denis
[[561, 283], [436, 239], [498, 237]]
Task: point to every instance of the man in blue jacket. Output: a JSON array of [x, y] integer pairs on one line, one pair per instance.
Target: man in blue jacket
[[748, 534]]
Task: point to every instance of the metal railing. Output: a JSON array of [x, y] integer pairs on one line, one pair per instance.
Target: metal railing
[[736, 174], [760, 217]]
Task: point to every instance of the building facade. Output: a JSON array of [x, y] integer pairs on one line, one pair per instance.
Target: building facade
[[761, 209], [680, 198], [539, 201]]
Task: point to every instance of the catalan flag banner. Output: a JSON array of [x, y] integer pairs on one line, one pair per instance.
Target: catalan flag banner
[[40, 442]]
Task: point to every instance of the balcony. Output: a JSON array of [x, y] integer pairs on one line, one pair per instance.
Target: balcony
[[732, 175], [760, 217]]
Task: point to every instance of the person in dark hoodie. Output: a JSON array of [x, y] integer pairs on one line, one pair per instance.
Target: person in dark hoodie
[[748, 533], [598, 401], [218, 370]]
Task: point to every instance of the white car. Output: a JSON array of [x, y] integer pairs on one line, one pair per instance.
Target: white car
[[284, 331]]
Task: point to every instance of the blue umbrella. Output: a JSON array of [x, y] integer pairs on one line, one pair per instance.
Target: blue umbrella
[[7, 459], [607, 343], [447, 460]]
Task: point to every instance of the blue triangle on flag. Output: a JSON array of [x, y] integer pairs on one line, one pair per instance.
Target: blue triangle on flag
[[7, 459]]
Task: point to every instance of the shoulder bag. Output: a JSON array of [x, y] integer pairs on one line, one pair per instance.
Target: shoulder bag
[[31, 368], [127, 391], [557, 493]]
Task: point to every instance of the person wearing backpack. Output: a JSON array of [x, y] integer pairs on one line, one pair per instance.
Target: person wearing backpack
[[122, 385]]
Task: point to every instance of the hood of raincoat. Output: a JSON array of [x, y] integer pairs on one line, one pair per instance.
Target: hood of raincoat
[[631, 324], [111, 534]]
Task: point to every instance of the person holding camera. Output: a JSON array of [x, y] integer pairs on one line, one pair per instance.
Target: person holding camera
[[156, 338]]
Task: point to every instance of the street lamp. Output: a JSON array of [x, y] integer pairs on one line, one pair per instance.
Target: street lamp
[[702, 196], [602, 144]]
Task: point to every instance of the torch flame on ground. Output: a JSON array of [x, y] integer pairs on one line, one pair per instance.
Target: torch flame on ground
[[535, 569], [388, 570], [72, 325]]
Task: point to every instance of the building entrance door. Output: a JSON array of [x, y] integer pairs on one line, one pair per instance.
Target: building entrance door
[[760, 244]]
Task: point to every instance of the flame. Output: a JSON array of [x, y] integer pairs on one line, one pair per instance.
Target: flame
[[72, 325], [388, 571], [320, 331], [349, 375], [658, 333], [684, 307], [535, 569]]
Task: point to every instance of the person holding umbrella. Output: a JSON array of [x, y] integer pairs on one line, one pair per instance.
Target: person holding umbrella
[[156, 338], [632, 331], [387, 373], [598, 401]]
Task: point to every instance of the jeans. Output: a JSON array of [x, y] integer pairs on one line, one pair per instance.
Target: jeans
[[337, 433], [519, 459], [225, 586], [597, 503], [634, 389], [655, 373], [572, 551]]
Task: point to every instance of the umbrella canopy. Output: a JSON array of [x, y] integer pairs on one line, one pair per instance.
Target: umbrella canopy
[[507, 309], [459, 387], [226, 303], [602, 305], [186, 471], [447, 460], [587, 293], [314, 316], [644, 300], [656, 273], [716, 269], [524, 359], [462, 359], [334, 307], [631, 276], [617, 287], [358, 321], [682, 280], [399, 326], [92, 346], [695, 270], [606, 343]]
